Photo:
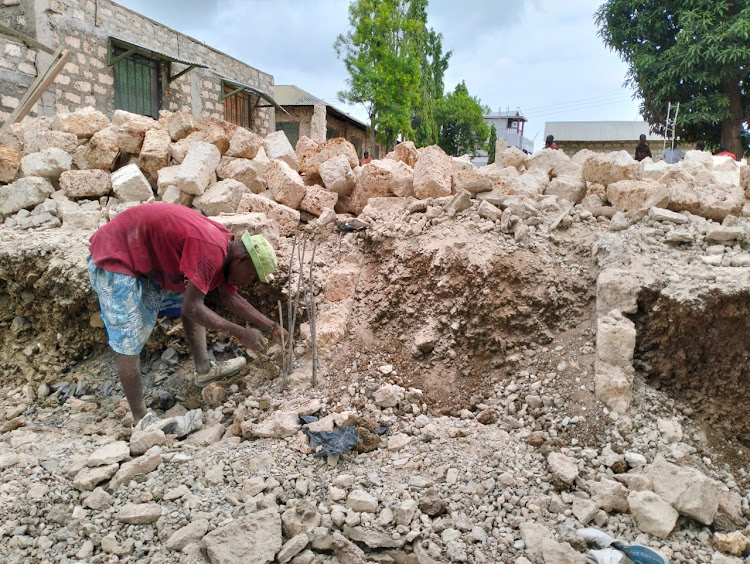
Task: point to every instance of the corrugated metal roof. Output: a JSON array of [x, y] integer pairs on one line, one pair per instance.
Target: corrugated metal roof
[[599, 130], [291, 95], [154, 53], [260, 92]]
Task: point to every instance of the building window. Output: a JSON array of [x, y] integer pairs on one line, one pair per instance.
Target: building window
[[291, 130], [238, 108], [331, 133], [137, 84]]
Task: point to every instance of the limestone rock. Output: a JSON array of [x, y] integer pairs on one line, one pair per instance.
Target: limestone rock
[[561, 553], [190, 533], [554, 163], [534, 535], [37, 141], [195, 172], [745, 181], [373, 182], [154, 153], [569, 188], [608, 168], [299, 519], [318, 199], [341, 283], [613, 379], [181, 124], [244, 144], [137, 467], [530, 183], [222, 197], [89, 220], [609, 495], [617, 289], [511, 157], [50, 163], [337, 175], [250, 172], [130, 185], [652, 514], [626, 195], [563, 468], [102, 149], [407, 153], [131, 129], [84, 123], [211, 133], [252, 222], [312, 156], [172, 195], [279, 424], [277, 147], [24, 193], [10, 161], [85, 183], [688, 490], [109, 454], [472, 181], [285, 184], [503, 178], [142, 441], [362, 502], [734, 543], [139, 513], [432, 174], [88, 478], [332, 321], [293, 547], [373, 538], [285, 217]]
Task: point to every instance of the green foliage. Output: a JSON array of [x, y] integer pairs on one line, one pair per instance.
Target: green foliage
[[462, 129], [396, 67], [696, 52], [492, 145]]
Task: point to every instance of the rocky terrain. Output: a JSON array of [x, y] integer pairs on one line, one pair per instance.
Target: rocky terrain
[[523, 350]]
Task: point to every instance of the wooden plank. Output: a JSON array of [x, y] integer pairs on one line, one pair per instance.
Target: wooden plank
[[38, 88], [179, 74], [25, 39]]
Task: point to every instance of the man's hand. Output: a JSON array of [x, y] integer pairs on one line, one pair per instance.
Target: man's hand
[[280, 335], [251, 339]]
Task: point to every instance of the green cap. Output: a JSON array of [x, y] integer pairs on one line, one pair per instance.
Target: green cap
[[262, 254]]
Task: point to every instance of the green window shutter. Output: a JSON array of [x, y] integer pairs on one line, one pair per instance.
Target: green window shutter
[[291, 130], [137, 86]]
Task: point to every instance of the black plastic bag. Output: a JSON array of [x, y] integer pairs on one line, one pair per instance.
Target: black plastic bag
[[339, 441]]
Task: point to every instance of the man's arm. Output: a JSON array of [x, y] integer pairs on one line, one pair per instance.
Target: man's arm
[[240, 307], [194, 308]]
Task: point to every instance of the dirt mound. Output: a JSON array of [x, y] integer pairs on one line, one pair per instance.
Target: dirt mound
[[453, 310]]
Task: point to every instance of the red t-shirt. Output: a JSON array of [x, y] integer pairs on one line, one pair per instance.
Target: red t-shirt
[[166, 243]]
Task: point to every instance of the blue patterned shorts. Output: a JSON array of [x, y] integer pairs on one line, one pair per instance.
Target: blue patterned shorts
[[129, 307]]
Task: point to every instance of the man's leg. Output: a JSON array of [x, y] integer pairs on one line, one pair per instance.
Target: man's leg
[[129, 372], [196, 338]]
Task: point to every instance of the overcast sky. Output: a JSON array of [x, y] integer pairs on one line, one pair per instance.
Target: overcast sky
[[540, 56]]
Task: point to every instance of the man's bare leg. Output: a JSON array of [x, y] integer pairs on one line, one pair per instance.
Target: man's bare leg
[[129, 372], [196, 338]]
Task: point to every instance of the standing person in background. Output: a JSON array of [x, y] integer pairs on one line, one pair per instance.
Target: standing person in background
[[672, 156], [724, 152], [365, 159], [642, 150], [549, 143]]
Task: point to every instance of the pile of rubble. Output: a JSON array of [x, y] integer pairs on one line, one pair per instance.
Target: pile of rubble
[[499, 409]]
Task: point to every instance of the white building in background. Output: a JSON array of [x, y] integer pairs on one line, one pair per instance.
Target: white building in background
[[509, 126]]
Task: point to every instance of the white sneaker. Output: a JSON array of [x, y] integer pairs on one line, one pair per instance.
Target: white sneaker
[[219, 371], [151, 422]]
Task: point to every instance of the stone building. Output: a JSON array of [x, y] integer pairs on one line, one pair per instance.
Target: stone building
[[120, 59], [603, 136], [310, 116]]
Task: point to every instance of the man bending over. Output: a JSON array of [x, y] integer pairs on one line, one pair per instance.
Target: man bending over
[[162, 259]]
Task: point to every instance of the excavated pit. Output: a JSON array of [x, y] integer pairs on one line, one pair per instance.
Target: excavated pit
[[454, 315], [696, 351]]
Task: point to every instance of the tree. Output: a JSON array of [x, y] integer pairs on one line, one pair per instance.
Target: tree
[[381, 54], [696, 52], [432, 70], [492, 145], [460, 119]]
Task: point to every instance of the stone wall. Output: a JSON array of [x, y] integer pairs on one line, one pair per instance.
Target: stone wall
[[301, 115], [572, 147], [84, 28]]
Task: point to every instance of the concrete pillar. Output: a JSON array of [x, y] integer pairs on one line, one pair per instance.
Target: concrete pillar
[[318, 124]]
